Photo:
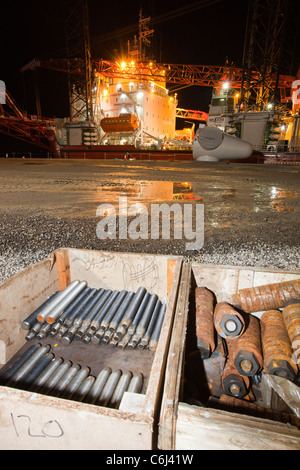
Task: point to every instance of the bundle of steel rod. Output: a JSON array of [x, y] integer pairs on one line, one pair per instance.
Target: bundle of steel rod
[[38, 370], [120, 318]]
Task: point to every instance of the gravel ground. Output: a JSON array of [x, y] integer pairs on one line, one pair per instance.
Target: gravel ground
[[251, 212]]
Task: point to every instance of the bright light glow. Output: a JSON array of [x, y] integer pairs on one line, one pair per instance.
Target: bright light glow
[[105, 91], [123, 96], [237, 95], [225, 85], [270, 106], [119, 86], [123, 65], [140, 95]]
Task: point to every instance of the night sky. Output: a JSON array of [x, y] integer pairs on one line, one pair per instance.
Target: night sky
[[205, 36]]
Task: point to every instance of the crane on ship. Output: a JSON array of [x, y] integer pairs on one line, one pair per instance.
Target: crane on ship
[[260, 80]]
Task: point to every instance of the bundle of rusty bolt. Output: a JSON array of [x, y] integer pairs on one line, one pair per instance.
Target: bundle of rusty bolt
[[38, 370], [238, 346], [120, 318]]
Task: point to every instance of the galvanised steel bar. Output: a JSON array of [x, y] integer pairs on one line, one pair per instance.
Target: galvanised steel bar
[[74, 304], [156, 332], [122, 343], [34, 373], [43, 313], [93, 312], [69, 336], [143, 323], [42, 379], [89, 308], [80, 308], [120, 389], [34, 330], [113, 310], [65, 380], [58, 310], [84, 388], [121, 312], [109, 388], [139, 313], [28, 365], [44, 331], [80, 376], [28, 323], [51, 382], [150, 328], [98, 385], [15, 366], [109, 300], [136, 383], [132, 309]]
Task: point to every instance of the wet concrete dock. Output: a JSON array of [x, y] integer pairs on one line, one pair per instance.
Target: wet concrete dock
[[251, 212]]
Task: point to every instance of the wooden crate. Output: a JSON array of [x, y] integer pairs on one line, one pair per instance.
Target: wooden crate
[[35, 421], [189, 427]]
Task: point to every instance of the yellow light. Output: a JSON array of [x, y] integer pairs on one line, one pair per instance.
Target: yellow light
[[237, 95], [123, 65], [105, 92], [132, 62]]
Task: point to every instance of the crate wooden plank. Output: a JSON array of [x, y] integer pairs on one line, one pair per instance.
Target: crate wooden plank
[[207, 429], [34, 421], [174, 365]]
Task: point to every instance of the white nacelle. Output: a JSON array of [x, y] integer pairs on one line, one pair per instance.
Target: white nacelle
[[212, 145]]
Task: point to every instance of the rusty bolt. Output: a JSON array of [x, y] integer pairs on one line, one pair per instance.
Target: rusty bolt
[[231, 325], [247, 363], [234, 385]]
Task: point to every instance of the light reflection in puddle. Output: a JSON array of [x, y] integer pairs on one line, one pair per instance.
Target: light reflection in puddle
[[146, 191], [279, 199]]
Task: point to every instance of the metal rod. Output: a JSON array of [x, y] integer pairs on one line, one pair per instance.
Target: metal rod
[[28, 323], [136, 384], [93, 311], [80, 376], [49, 385], [133, 308], [84, 388], [79, 309], [42, 379], [65, 380], [156, 332], [58, 310], [121, 311], [151, 325], [74, 304], [139, 313], [29, 364], [113, 310], [95, 325], [88, 308], [15, 366], [98, 385], [143, 323], [34, 373], [42, 315], [109, 387], [121, 387]]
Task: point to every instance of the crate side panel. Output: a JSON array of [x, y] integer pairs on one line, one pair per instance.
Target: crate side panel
[[35, 422], [120, 270], [19, 297], [205, 429]]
